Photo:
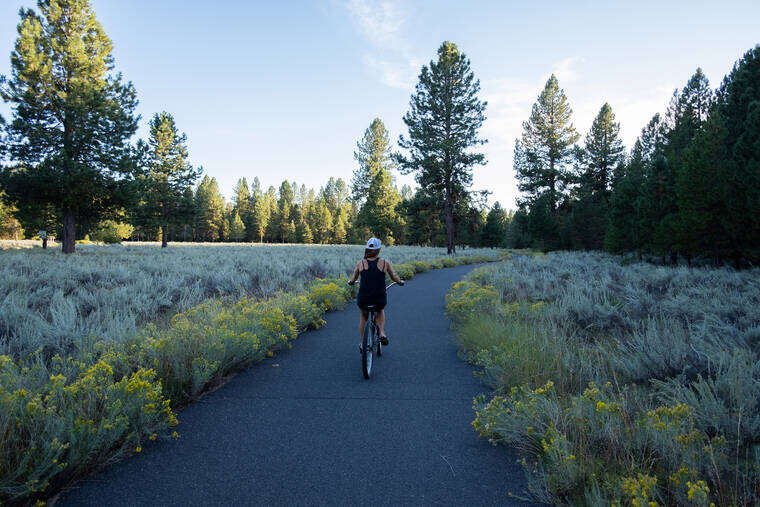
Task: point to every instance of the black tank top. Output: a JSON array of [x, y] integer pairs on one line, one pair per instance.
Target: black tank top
[[372, 281]]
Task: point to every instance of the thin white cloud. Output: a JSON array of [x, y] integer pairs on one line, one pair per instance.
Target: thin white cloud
[[394, 73], [565, 71], [381, 24]]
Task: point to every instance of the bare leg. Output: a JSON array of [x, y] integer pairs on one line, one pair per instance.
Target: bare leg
[[363, 316], [380, 320]]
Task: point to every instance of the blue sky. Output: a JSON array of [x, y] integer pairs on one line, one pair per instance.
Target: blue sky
[[285, 89]]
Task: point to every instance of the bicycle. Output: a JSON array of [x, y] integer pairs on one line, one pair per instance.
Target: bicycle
[[371, 339]]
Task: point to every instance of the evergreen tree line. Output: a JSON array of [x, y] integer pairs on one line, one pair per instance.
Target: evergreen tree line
[[689, 188], [71, 167]]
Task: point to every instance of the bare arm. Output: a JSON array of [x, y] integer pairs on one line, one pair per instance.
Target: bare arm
[[392, 274], [355, 275]]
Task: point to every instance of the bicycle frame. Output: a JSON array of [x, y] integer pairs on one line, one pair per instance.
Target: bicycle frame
[[371, 343]]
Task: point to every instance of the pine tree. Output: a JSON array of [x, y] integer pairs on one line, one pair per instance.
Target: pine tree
[[186, 214], [541, 161], [698, 184], [284, 205], [738, 106], [260, 215], [334, 194], [518, 235], [378, 213], [625, 213], [443, 120], [273, 230], [664, 144], [655, 176], [321, 223], [10, 227], [687, 115], [242, 203], [209, 205], [494, 232], [166, 176], [237, 228], [422, 218], [602, 152], [72, 117], [373, 153], [303, 233], [339, 233], [543, 153]]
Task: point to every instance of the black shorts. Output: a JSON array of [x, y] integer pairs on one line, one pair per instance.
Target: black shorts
[[378, 302]]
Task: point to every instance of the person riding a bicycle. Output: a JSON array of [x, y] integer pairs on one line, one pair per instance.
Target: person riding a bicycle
[[372, 269]]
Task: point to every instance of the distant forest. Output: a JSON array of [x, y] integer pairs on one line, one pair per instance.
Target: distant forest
[[689, 188]]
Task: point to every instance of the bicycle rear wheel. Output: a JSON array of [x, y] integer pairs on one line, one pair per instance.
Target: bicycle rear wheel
[[367, 352], [377, 341]]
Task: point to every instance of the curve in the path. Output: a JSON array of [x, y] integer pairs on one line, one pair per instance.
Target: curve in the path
[[306, 428]]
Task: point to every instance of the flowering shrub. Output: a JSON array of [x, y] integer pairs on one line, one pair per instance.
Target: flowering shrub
[[52, 300], [467, 299], [329, 295], [63, 416], [670, 408], [51, 428]]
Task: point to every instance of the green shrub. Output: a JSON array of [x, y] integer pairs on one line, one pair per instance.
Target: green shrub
[[54, 301], [329, 295], [619, 384], [110, 231], [51, 429]]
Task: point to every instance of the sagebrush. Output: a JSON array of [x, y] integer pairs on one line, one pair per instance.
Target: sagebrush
[[71, 409], [59, 303], [628, 384]]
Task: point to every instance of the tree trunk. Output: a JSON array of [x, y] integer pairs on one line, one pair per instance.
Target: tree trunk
[[449, 210], [44, 243], [165, 236], [69, 231]]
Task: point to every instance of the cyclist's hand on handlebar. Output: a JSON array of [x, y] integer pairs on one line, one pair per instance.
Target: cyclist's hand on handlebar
[[401, 283], [352, 283]]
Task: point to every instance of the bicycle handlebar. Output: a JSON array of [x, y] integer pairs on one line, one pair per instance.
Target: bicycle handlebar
[[386, 288]]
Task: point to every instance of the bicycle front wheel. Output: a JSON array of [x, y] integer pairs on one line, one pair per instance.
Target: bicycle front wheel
[[367, 352]]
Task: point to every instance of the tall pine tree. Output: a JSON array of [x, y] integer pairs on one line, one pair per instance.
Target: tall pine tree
[[602, 152], [542, 160], [444, 118], [166, 177], [242, 204], [72, 117], [373, 154], [209, 205], [691, 184], [738, 107]]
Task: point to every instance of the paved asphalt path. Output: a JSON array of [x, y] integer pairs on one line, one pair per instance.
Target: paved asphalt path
[[305, 428]]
